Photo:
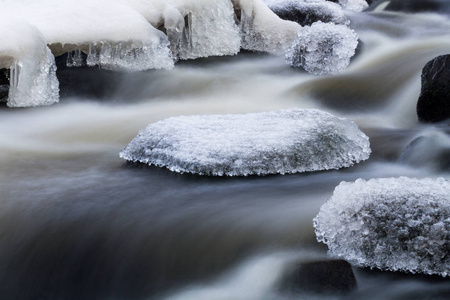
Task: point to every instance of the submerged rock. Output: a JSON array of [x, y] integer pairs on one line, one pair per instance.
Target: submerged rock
[[286, 141], [430, 150], [323, 48], [307, 12], [434, 100], [397, 224], [324, 277]]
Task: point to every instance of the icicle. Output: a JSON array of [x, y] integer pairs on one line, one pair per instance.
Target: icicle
[[74, 59], [92, 58]]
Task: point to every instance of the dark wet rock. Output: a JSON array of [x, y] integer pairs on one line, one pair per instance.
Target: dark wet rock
[[430, 150], [307, 13], [412, 6], [4, 84], [434, 101], [324, 277]]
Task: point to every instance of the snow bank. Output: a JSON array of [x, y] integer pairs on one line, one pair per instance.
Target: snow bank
[[286, 141], [390, 223], [323, 48], [24, 51]]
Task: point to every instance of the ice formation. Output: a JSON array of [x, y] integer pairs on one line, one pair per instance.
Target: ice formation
[[262, 29], [310, 10], [323, 48], [397, 224], [285, 141], [32, 74], [354, 5]]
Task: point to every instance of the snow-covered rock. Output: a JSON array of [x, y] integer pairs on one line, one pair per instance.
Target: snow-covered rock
[[397, 224], [307, 12], [323, 48], [285, 141]]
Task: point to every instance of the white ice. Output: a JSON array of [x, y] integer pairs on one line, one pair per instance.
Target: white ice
[[286, 141], [323, 48], [397, 224], [262, 30], [24, 51]]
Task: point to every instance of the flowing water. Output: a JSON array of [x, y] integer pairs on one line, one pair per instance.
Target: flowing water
[[77, 222]]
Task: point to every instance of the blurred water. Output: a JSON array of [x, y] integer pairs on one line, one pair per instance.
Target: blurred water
[[76, 222]]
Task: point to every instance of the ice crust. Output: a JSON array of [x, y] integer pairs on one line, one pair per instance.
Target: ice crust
[[321, 9], [323, 48], [286, 141], [397, 224]]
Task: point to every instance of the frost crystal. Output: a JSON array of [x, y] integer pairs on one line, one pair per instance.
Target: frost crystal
[[286, 141], [397, 224], [323, 48]]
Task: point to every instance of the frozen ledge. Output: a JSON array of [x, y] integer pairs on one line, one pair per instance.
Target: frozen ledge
[[279, 142], [397, 224]]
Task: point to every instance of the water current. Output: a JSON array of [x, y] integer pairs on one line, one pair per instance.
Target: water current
[[77, 222]]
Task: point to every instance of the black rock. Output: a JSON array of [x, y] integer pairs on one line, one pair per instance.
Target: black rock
[[4, 84], [324, 277], [434, 100], [306, 14], [413, 6]]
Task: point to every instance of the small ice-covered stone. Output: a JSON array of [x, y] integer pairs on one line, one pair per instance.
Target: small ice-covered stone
[[286, 141], [323, 48], [397, 224]]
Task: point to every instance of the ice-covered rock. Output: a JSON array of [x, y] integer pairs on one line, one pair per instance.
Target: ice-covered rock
[[285, 141], [306, 12], [323, 48], [32, 75], [397, 224]]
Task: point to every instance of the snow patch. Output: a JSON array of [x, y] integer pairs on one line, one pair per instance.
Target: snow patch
[[397, 224], [286, 141]]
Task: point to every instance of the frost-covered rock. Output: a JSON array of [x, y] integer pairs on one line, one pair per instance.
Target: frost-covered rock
[[307, 12], [286, 141], [32, 75], [323, 48], [397, 224]]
